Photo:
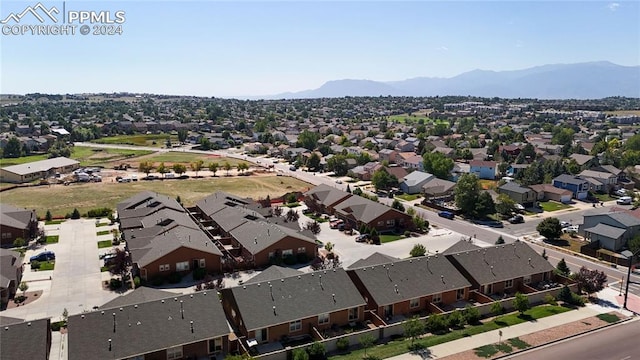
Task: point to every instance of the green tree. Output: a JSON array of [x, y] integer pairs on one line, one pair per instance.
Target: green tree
[[12, 149], [213, 167], [182, 135], [455, 319], [19, 242], [496, 308], [145, 167], [413, 328], [634, 244], [227, 167], [436, 323], [472, 315], [562, 136], [308, 139], [23, 287], [338, 164], [485, 205], [316, 351], [75, 214], [196, 166], [397, 205], [313, 163], [591, 281], [437, 164], [467, 192], [505, 205], [521, 302], [162, 169], [382, 180], [366, 341], [550, 228], [500, 240], [300, 354], [562, 268], [179, 169], [418, 250], [205, 143], [48, 216]]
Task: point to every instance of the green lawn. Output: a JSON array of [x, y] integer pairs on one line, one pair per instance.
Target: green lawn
[[553, 206], [610, 318], [62, 199], [104, 268], [53, 222], [188, 158], [154, 140], [390, 237], [104, 244], [408, 197], [104, 232], [414, 118], [398, 347], [319, 219], [47, 265], [603, 197], [52, 239], [102, 224], [89, 156], [292, 205]]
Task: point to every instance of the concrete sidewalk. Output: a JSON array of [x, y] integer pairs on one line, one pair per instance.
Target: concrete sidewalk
[[608, 303]]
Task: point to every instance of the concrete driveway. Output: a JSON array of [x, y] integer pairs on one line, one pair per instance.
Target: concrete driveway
[[76, 281]]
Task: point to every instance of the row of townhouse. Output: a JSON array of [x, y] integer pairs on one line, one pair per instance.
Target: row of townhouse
[[281, 306]]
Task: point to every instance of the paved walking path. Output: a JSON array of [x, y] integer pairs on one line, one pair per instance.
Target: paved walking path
[[609, 302]]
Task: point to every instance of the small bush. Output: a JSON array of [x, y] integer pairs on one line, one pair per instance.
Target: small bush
[[342, 344], [136, 281], [99, 212], [289, 260], [174, 278], [576, 300], [436, 323], [472, 315], [56, 326], [316, 351], [35, 264], [302, 258], [549, 299], [115, 284], [199, 273], [455, 320], [407, 233]]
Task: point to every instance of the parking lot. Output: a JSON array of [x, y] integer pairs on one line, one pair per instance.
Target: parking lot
[[76, 281]]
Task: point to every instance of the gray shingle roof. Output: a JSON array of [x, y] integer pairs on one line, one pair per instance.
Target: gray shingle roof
[[25, 340], [15, 217], [363, 209], [515, 187], [374, 259], [326, 195], [220, 200], [297, 297], [416, 178], [410, 278], [256, 236], [159, 322], [140, 295], [569, 179], [145, 203], [273, 272], [607, 231], [461, 246], [10, 261], [169, 241], [501, 262]]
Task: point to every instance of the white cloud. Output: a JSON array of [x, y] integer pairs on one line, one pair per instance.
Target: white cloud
[[443, 48], [613, 6]]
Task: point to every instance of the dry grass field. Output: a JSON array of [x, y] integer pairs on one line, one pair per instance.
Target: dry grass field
[[62, 199]]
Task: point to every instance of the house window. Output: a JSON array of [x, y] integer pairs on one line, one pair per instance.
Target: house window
[[182, 266], [295, 326], [215, 345], [272, 255], [164, 267], [489, 289], [460, 294], [302, 250], [508, 284], [527, 279], [287, 252], [391, 222], [353, 314], [380, 223], [323, 319], [202, 263], [174, 353], [414, 303], [436, 298]]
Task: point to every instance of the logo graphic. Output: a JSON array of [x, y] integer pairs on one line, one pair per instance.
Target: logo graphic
[[34, 11]]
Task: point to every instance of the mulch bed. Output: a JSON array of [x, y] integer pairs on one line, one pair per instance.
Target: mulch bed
[[31, 297]]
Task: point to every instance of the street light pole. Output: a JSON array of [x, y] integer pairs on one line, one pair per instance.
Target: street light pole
[[629, 256]]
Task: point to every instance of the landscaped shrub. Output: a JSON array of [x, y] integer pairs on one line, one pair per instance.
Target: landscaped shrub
[[174, 278], [302, 258], [136, 282], [35, 264], [549, 299], [455, 320], [115, 284], [342, 344], [199, 273], [317, 351], [300, 354], [289, 260], [56, 326], [99, 212], [472, 315], [436, 324]]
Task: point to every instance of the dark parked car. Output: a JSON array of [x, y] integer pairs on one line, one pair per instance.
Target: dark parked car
[[516, 219], [490, 223], [362, 238], [446, 214], [43, 256]]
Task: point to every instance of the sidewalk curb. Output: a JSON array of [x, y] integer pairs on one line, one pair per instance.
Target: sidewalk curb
[[619, 322]]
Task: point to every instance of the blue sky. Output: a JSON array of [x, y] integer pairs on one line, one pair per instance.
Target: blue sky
[[215, 48]]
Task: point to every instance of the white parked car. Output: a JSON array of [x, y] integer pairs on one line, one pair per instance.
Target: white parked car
[[572, 228], [621, 192], [625, 200]]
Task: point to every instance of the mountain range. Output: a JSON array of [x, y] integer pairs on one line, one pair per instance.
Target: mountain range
[[591, 80]]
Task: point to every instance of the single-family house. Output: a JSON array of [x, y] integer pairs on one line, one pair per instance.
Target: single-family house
[[520, 194], [405, 146], [10, 274], [585, 161], [292, 307], [25, 339], [16, 223], [600, 181], [545, 192], [484, 169], [192, 326], [358, 211], [410, 286], [388, 155], [502, 269], [323, 198], [514, 169], [611, 230], [413, 183], [579, 187], [438, 188], [144, 204], [415, 162]]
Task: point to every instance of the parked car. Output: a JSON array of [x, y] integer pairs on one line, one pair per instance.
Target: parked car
[[625, 200], [621, 192], [293, 168], [338, 181], [43, 256], [516, 219], [446, 214], [572, 228], [519, 207], [490, 223], [362, 238], [335, 224], [564, 224]]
